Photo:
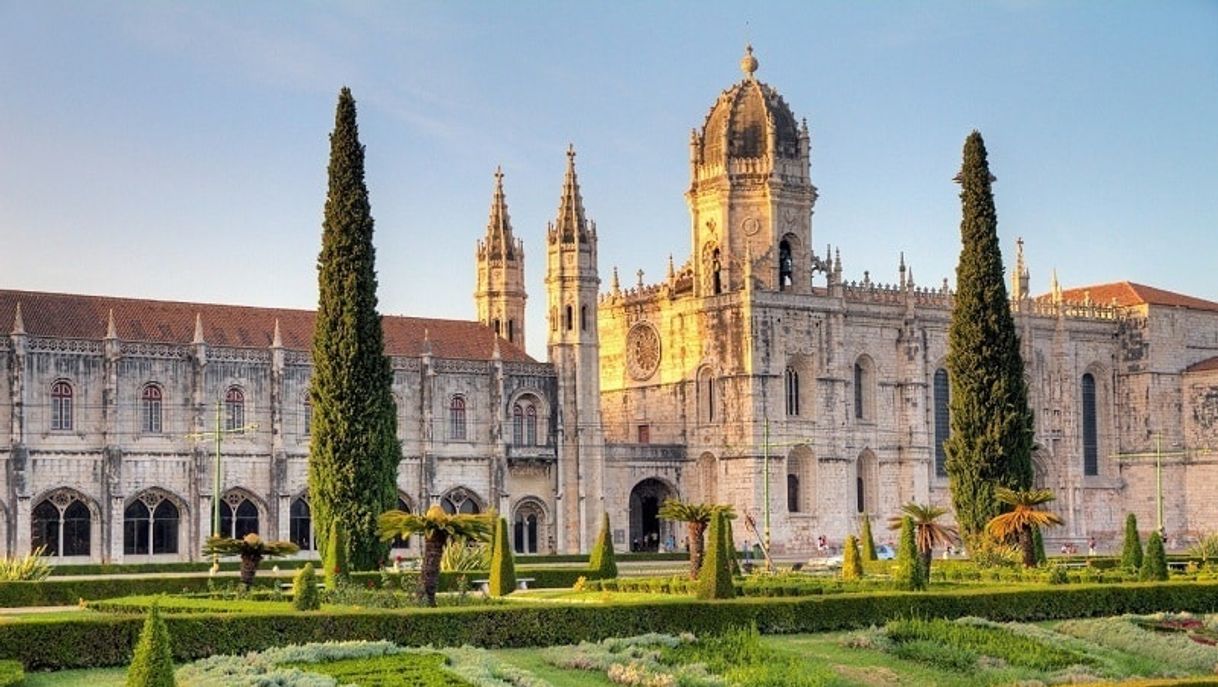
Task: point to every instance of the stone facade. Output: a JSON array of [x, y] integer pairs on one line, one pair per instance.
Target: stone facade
[[753, 374]]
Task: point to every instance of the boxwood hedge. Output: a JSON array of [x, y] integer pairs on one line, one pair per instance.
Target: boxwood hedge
[[11, 674], [107, 639]]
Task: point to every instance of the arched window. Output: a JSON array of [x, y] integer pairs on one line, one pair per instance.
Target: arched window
[[583, 318], [866, 481], [300, 524], [234, 409], [792, 378], [150, 525], [62, 523], [792, 493], [530, 425], [306, 407], [943, 419], [567, 319], [150, 409], [716, 273], [864, 391], [527, 527], [1091, 464], [400, 542], [517, 424], [511, 331], [456, 418], [495, 323], [460, 500], [786, 266], [801, 480], [61, 406], [238, 516]]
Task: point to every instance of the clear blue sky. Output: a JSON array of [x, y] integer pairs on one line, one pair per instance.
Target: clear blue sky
[[178, 150]]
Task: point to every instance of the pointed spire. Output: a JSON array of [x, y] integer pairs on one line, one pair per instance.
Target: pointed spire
[[572, 224], [909, 282], [198, 329], [18, 323], [901, 270], [615, 286], [672, 269], [1055, 288], [277, 337], [499, 241], [111, 331]]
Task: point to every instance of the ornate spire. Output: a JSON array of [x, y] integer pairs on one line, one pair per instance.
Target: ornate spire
[[111, 332], [198, 339], [1055, 288], [615, 287], [748, 64], [901, 270], [572, 224], [672, 269], [1020, 276], [18, 323], [499, 241]]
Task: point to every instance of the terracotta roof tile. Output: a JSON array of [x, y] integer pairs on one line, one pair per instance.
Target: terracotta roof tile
[[1207, 365], [84, 317], [1126, 293]]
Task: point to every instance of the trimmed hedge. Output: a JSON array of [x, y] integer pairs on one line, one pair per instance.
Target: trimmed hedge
[[48, 643], [11, 674], [52, 592]]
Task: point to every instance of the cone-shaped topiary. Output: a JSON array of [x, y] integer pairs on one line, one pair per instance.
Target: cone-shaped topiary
[[852, 562], [152, 664], [715, 578], [304, 590], [336, 570], [1038, 544], [733, 556], [602, 564], [1154, 563], [1131, 554], [503, 564], [867, 541], [909, 568]]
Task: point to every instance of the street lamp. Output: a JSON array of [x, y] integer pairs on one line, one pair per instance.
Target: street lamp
[[218, 434]]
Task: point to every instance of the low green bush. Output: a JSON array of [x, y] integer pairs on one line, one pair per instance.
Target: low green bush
[[979, 640], [393, 670], [51, 643], [53, 592], [11, 674]]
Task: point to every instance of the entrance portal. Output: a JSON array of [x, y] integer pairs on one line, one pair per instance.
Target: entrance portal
[[646, 529]]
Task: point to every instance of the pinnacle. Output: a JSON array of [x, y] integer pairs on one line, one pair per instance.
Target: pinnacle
[[499, 226], [572, 224]]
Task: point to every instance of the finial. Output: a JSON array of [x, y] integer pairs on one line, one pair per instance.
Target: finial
[[640, 273], [909, 282], [18, 323], [614, 285], [111, 332], [198, 329], [276, 338], [498, 172], [672, 269], [748, 64], [571, 152], [1055, 288]]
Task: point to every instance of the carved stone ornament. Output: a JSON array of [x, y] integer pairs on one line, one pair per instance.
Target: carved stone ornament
[[642, 351], [750, 225]]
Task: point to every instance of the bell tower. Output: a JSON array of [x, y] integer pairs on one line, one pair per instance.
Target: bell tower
[[750, 194], [500, 295]]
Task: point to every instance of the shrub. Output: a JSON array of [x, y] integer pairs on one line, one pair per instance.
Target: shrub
[[503, 569], [1131, 553], [1154, 563], [31, 567], [909, 575], [1126, 634], [335, 569], [1206, 548], [602, 564], [304, 590], [867, 540], [1038, 546], [463, 556], [11, 674], [1059, 575], [715, 578], [987, 640], [152, 664], [852, 564]]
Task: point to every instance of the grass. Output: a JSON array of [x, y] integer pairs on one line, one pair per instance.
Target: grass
[[531, 660], [98, 677]]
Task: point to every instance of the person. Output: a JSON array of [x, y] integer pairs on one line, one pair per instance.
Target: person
[[1091, 546], [1065, 548], [821, 544]]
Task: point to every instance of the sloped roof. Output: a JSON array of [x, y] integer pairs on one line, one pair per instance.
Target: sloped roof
[[1207, 365], [1126, 293], [75, 316]]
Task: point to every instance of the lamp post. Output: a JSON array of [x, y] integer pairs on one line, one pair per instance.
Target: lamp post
[[218, 434]]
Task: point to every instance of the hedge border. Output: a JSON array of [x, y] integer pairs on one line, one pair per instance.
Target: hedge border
[[107, 640]]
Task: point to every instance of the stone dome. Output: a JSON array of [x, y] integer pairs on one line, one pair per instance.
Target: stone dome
[[738, 125]]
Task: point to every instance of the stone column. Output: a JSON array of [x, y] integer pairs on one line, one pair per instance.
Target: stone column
[[22, 524]]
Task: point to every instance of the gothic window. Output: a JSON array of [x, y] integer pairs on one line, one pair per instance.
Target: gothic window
[[706, 396], [583, 318], [517, 424], [527, 527], [234, 409], [1091, 465], [864, 389], [61, 406], [238, 516], [306, 428], [300, 524], [150, 525], [496, 325], [524, 422], [511, 330], [400, 542], [943, 418], [716, 274], [456, 418], [865, 482], [801, 480], [150, 409], [786, 267], [567, 319], [530, 425], [644, 434], [792, 387], [792, 493], [460, 500], [62, 523]]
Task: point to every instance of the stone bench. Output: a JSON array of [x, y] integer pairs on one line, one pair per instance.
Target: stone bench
[[522, 584]]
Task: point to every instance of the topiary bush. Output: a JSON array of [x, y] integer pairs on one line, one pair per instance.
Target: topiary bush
[[152, 664], [715, 578], [1154, 563], [1038, 546], [503, 567], [910, 575], [304, 590], [866, 539], [1131, 553], [852, 564], [602, 564], [335, 569]]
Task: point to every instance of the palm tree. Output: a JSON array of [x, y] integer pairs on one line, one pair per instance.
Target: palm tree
[[696, 517], [1024, 517], [252, 549], [437, 528], [927, 532]]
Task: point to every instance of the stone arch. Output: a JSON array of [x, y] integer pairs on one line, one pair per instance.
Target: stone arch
[[58, 521], [801, 480], [790, 262], [154, 521], [300, 521], [707, 469], [647, 531], [236, 517], [528, 418], [462, 499], [867, 483], [529, 518], [706, 394], [864, 383], [1042, 468]]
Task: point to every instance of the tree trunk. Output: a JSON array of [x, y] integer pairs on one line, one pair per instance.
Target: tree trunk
[[429, 576], [249, 567], [1029, 547], [695, 547]]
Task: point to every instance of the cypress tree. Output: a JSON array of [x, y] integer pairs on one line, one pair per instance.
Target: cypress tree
[[1038, 546], [715, 579], [1154, 563], [990, 444], [602, 564], [868, 541], [1131, 554], [910, 574], [304, 590], [336, 565], [354, 453], [852, 563], [152, 663], [503, 564]]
